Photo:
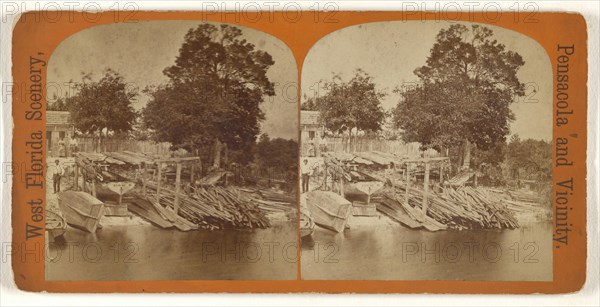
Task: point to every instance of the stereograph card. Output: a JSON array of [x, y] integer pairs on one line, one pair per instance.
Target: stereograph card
[[338, 152]]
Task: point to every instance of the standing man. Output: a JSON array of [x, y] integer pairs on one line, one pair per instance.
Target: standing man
[[305, 171], [58, 173], [73, 144]]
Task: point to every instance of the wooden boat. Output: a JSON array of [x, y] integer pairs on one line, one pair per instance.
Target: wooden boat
[[329, 210], [116, 207], [81, 210], [55, 223], [120, 187], [307, 224], [360, 208], [360, 192], [367, 187]]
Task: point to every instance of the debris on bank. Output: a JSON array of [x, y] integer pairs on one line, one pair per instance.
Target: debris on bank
[[412, 198], [163, 192], [465, 207]]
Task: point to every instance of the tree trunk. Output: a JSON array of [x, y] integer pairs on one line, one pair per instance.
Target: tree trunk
[[217, 153], [466, 163]]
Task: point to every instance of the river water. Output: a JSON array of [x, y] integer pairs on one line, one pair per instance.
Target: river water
[[147, 252], [364, 252], [393, 252]]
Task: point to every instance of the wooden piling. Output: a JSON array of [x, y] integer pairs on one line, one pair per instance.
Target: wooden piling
[[158, 179], [94, 185], [406, 196], [425, 189], [192, 169], [177, 187], [144, 174], [76, 178]]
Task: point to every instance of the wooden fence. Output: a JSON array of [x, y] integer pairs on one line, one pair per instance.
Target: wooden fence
[[110, 145], [367, 144]]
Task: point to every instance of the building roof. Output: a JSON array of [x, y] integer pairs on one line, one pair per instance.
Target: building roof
[[309, 118], [58, 118]]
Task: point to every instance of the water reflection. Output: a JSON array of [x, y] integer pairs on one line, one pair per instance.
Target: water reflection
[[389, 252], [151, 253]]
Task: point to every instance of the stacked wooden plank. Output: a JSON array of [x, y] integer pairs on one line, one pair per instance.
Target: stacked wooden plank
[[98, 157], [524, 197], [213, 178], [520, 202], [213, 207], [146, 209], [128, 158], [392, 208], [340, 156], [169, 215], [397, 209], [490, 212], [271, 201], [461, 178], [465, 207], [142, 157], [277, 196], [392, 158], [375, 157]]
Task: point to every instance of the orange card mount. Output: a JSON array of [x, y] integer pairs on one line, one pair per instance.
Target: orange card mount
[[367, 152]]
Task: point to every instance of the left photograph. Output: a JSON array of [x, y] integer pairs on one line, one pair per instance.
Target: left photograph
[[172, 154]]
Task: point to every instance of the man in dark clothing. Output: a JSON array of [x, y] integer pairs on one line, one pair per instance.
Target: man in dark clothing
[[58, 173], [305, 171]]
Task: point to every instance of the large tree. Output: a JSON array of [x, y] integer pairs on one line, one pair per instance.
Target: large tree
[[214, 92], [465, 91], [349, 106], [103, 107]]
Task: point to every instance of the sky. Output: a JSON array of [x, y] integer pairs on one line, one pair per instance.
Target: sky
[[391, 51], [141, 51]]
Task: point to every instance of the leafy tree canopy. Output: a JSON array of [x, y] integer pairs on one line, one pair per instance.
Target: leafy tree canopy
[[214, 91], [57, 104], [350, 105], [466, 87], [103, 106]]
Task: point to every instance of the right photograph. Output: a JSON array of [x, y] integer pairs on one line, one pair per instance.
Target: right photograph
[[426, 154]]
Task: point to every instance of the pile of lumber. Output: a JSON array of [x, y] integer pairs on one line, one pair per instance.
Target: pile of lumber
[[270, 201], [461, 178], [521, 202], [377, 157], [489, 212], [150, 210], [465, 207], [407, 215], [213, 178], [130, 157], [213, 207]]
